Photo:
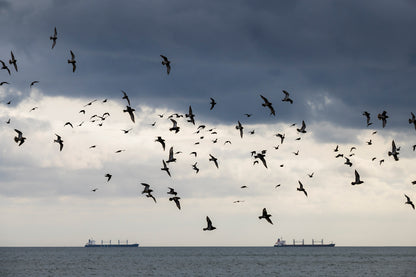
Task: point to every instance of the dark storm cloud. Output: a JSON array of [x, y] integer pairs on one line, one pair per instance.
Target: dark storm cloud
[[360, 53]]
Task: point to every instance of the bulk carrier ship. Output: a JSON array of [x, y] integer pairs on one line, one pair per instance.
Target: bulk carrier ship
[[319, 243], [91, 243]]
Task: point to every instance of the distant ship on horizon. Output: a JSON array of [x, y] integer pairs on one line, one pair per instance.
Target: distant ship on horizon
[[282, 243], [91, 243]]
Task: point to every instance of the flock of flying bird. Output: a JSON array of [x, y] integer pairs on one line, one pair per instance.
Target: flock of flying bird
[[190, 118]]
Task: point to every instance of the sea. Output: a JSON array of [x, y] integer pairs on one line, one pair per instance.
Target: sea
[[208, 261]]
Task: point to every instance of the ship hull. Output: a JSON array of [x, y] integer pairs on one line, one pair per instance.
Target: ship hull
[[113, 245], [306, 245]]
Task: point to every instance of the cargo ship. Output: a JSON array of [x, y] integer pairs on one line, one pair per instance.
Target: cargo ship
[[319, 243], [91, 243]]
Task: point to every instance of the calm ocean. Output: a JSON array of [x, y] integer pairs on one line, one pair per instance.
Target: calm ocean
[[208, 261]]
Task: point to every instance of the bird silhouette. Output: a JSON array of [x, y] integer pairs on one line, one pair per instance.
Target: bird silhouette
[[240, 128], [300, 188], [176, 200], [130, 111], [171, 158], [302, 128], [212, 103], [166, 63], [165, 168], [190, 115], [408, 201], [266, 216], [108, 176], [287, 98], [268, 104], [4, 66], [394, 151], [175, 126], [172, 191], [383, 117], [194, 167], [72, 61], [214, 160], [209, 225], [54, 37], [357, 179], [13, 61], [412, 120], [59, 141], [20, 139]]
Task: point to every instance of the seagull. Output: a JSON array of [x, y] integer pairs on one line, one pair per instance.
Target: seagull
[[194, 167], [4, 66], [130, 111], [339, 156], [32, 83], [369, 142], [213, 159], [213, 103], [261, 157], [171, 158], [19, 138], [248, 114], [94, 190], [162, 141], [347, 162], [367, 115], [176, 200], [92, 146], [119, 151], [287, 99], [72, 60], [166, 62], [108, 176], [2, 83], [414, 147], [69, 124], [165, 168], [394, 151], [268, 104], [89, 104], [13, 61], [266, 216], [276, 186], [172, 191], [336, 148], [383, 117], [32, 109], [408, 201], [238, 201], [357, 179], [240, 128], [54, 37], [82, 111], [193, 153], [125, 96], [381, 161], [281, 136], [146, 188], [296, 153], [353, 148], [60, 141], [209, 225], [300, 188], [243, 187], [175, 126], [126, 131], [311, 175], [191, 116], [252, 132], [302, 129], [412, 120]]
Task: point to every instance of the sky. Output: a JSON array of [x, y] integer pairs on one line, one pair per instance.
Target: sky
[[337, 59]]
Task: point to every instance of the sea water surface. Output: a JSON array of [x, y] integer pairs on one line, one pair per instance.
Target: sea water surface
[[208, 261]]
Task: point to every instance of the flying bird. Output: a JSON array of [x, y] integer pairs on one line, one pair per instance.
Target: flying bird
[[171, 158], [300, 188], [213, 159], [302, 128], [165, 168], [240, 128], [367, 115], [191, 116], [166, 62], [68, 124], [32, 83], [13, 61], [72, 61], [59, 141], [266, 216], [383, 117], [281, 136], [175, 126], [4, 66], [357, 179], [287, 99], [268, 104], [209, 225], [311, 175], [394, 151], [172, 191], [348, 162], [126, 131], [125, 96], [212, 103], [162, 141], [108, 176], [20, 139], [176, 200], [408, 201], [194, 167], [54, 37], [130, 111], [2, 83]]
